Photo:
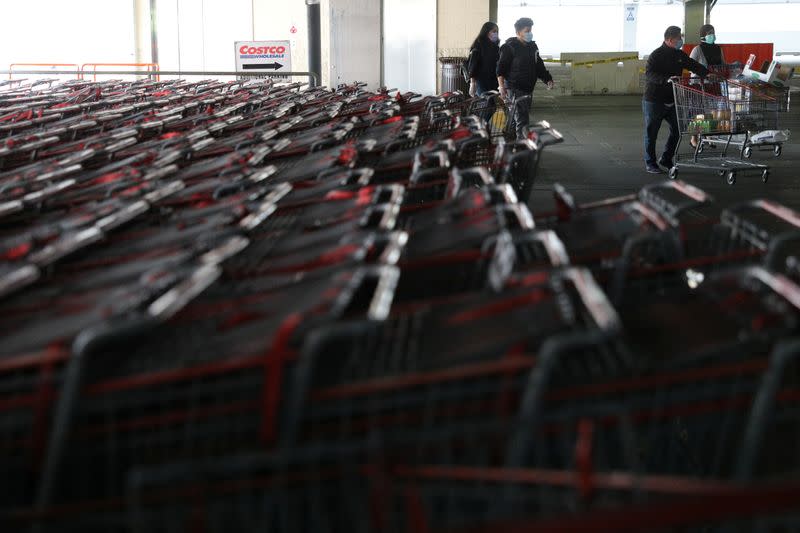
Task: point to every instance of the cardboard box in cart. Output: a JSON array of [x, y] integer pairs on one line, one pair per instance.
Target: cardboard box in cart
[[775, 74]]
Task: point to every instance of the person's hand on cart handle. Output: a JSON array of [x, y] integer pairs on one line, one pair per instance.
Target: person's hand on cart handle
[[550, 85], [473, 88], [503, 93]]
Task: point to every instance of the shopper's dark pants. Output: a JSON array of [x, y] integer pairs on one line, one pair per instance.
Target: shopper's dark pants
[[654, 114], [521, 115]]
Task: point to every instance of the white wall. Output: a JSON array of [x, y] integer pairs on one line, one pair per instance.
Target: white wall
[[653, 20], [79, 31], [566, 29], [596, 25], [765, 23], [354, 42], [458, 22], [199, 34], [409, 45], [569, 28], [192, 34], [274, 20]]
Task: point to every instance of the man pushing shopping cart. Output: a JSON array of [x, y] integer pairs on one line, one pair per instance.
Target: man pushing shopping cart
[[658, 103]]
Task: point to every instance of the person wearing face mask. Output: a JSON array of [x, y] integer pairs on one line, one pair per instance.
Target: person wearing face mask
[[708, 53], [519, 67], [658, 104], [483, 57]]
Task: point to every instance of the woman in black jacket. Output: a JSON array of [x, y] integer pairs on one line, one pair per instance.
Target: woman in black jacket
[[708, 53], [483, 57]]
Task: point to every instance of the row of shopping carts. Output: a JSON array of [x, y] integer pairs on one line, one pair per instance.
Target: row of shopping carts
[[245, 306]]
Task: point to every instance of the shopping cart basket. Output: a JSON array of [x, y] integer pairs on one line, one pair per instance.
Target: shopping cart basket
[[436, 371], [301, 494], [642, 238], [754, 97], [497, 113], [706, 108]]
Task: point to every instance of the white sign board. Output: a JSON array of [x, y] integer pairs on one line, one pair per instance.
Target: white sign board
[[263, 56], [629, 26]]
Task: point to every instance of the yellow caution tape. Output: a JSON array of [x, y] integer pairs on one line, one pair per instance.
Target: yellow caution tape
[[601, 61], [609, 60]]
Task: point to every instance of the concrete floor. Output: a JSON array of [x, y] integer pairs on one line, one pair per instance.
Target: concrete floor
[[601, 155]]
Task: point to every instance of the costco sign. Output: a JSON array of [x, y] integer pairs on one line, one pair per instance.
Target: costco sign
[[263, 56], [261, 51]]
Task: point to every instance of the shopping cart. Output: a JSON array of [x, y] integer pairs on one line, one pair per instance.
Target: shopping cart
[[775, 101], [497, 113], [705, 107]]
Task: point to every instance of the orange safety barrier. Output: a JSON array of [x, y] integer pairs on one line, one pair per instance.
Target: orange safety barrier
[[12, 65], [152, 68]]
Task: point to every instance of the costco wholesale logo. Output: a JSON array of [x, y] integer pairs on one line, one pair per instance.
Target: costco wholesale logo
[[265, 56], [267, 52]]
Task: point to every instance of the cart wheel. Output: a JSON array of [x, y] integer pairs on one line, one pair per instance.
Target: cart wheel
[[765, 175], [778, 150], [731, 177], [747, 152], [721, 173], [673, 173]]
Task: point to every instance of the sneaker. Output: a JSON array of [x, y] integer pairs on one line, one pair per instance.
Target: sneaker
[[666, 163], [654, 169]]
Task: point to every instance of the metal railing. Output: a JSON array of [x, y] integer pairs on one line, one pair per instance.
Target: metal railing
[[12, 65], [92, 67], [313, 77]]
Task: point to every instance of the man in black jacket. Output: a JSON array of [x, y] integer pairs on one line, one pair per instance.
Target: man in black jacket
[[658, 103], [519, 66]]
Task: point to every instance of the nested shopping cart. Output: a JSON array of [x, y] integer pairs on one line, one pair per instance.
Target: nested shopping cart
[[705, 108], [498, 113]]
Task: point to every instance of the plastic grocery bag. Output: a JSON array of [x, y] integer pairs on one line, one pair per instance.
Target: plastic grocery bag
[[775, 136], [498, 120]]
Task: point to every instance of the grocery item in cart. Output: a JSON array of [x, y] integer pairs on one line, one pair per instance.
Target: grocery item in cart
[[770, 136]]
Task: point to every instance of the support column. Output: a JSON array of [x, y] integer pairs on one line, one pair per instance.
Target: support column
[[493, 10], [314, 37], [146, 45], [694, 16]]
